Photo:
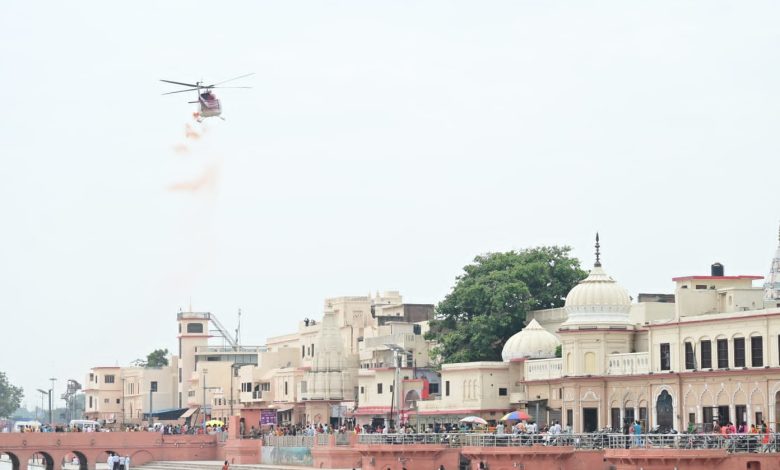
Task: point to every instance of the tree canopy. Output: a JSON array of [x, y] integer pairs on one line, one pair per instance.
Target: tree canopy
[[489, 301], [157, 358], [10, 396]]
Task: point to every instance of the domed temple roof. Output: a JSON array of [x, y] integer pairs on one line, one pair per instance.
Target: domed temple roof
[[598, 298], [532, 342]]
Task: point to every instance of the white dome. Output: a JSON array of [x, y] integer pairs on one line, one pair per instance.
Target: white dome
[[598, 299], [532, 342]]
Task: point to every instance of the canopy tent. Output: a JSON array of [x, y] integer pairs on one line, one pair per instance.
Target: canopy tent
[[168, 414]]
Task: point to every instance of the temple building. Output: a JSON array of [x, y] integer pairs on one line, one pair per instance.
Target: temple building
[[709, 352]]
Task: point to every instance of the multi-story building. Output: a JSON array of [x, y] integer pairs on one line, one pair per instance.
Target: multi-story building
[[103, 394], [713, 354], [148, 390], [311, 376]]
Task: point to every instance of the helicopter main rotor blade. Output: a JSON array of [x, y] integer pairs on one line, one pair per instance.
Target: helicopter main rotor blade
[[223, 87], [180, 91], [180, 83], [235, 78]]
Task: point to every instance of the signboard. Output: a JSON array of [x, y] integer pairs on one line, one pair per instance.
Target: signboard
[[267, 417]]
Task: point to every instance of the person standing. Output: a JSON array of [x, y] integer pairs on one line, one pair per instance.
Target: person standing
[[637, 433], [121, 463], [226, 466], [127, 462]]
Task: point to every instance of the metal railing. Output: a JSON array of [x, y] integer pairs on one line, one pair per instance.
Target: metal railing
[[322, 439], [728, 442], [587, 441], [288, 441]]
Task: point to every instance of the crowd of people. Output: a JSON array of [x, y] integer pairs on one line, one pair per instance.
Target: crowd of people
[[117, 462]]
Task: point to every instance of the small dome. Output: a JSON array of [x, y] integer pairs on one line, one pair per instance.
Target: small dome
[[532, 342], [598, 299], [598, 290]]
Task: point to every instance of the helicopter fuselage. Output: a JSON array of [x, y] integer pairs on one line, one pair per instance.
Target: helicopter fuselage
[[209, 105]]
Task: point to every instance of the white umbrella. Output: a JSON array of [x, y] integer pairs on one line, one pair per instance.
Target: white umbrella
[[473, 419]]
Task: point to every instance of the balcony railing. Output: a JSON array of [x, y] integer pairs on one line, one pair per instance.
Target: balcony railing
[[230, 349], [543, 369], [255, 396], [628, 364], [405, 340]]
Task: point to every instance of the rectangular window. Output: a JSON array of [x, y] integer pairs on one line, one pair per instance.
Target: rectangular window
[[312, 349], [739, 352], [570, 418], [303, 386], [90, 402], [615, 419], [285, 387], [706, 354], [723, 354], [179, 374], [666, 361], [708, 416], [690, 360], [105, 400], [501, 392], [303, 351], [759, 419], [741, 411], [379, 389], [391, 388], [117, 401], [433, 388], [153, 385], [757, 351], [723, 415], [447, 388], [109, 379], [362, 390]]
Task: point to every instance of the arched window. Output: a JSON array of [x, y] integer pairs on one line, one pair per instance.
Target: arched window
[[665, 411]]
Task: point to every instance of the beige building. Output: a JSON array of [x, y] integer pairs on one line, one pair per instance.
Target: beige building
[[311, 376], [148, 390], [103, 394], [709, 352]]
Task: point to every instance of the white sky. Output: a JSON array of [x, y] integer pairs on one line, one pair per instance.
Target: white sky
[[383, 146]]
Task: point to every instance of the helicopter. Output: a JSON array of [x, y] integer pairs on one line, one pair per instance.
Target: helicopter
[[209, 104]]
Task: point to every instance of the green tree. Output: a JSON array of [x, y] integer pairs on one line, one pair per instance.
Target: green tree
[[10, 396], [157, 358], [489, 301]]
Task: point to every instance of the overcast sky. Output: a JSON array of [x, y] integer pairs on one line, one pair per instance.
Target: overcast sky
[[383, 146]]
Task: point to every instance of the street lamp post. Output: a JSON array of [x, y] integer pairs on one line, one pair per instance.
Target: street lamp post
[[51, 390], [234, 369], [43, 393], [123, 402], [152, 389], [205, 371], [397, 350]]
